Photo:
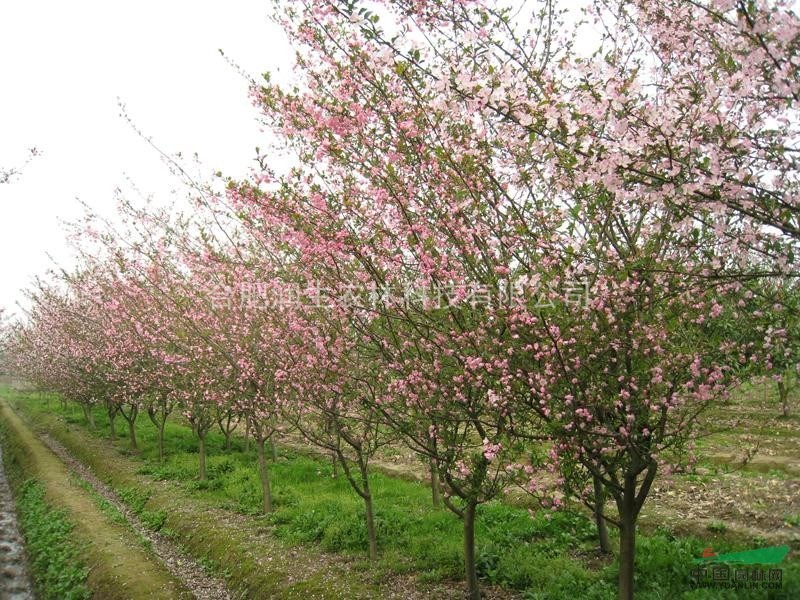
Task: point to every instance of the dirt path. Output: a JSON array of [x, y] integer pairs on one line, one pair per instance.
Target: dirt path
[[262, 565], [15, 584], [179, 564], [120, 566]]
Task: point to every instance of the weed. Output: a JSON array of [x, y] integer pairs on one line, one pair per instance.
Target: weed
[[717, 527], [55, 566], [543, 554]]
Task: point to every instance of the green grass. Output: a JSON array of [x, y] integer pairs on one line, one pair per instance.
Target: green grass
[[541, 554], [111, 511], [56, 569], [54, 557], [136, 499], [717, 527]]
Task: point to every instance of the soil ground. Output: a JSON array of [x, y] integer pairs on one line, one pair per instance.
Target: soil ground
[[120, 565], [745, 485], [269, 567]]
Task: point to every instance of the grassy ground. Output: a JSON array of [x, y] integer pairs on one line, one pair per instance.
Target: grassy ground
[[56, 565], [116, 564], [752, 424], [543, 555], [747, 479], [243, 549]]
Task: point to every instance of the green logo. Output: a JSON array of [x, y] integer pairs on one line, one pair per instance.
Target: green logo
[[761, 556]]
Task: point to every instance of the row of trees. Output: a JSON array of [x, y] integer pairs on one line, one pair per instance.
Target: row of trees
[[475, 237]]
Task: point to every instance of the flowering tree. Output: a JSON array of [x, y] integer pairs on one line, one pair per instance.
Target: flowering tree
[[619, 384], [4, 341], [330, 390], [776, 336], [57, 348], [454, 147], [521, 238], [346, 230], [144, 328]]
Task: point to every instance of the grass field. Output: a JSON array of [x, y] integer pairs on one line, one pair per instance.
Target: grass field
[[77, 549], [55, 562], [531, 554]]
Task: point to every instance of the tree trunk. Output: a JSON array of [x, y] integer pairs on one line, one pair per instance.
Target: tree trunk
[[159, 419], [247, 433], [602, 529], [161, 440], [627, 540], [372, 536], [227, 422], [112, 416], [436, 495], [131, 419], [202, 456], [132, 434], [783, 394], [89, 414], [263, 473], [473, 591]]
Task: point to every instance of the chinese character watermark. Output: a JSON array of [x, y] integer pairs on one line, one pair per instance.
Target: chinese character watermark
[[263, 296]]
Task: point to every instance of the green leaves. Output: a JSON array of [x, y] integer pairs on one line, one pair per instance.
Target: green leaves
[[56, 567]]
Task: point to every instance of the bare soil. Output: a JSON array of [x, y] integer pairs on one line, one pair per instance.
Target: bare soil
[[181, 565], [120, 566]]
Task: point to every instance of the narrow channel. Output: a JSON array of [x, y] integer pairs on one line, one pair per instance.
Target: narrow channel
[[15, 582]]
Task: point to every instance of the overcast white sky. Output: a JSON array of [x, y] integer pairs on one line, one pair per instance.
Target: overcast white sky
[[63, 66]]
